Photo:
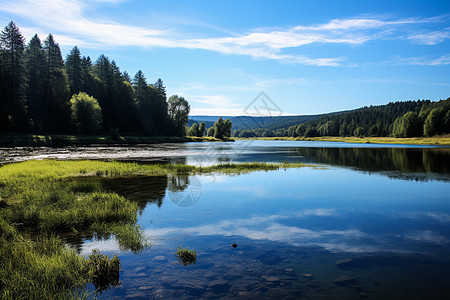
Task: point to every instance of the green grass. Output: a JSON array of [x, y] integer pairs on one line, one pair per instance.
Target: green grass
[[41, 199]]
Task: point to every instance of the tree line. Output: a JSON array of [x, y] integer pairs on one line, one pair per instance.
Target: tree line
[[397, 119], [220, 130], [40, 92]]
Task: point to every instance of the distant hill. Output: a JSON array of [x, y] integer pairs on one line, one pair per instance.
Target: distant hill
[[398, 119], [246, 122]]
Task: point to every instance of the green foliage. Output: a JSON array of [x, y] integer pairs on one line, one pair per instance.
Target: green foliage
[[186, 256], [201, 129], [437, 121], [36, 78], [57, 90], [130, 237], [41, 268], [222, 129], [35, 67], [359, 132], [193, 130], [407, 125], [86, 113], [13, 112], [399, 119], [210, 131], [104, 272], [178, 109]]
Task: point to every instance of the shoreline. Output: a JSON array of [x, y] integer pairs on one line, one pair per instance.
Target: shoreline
[[60, 140], [432, 141]]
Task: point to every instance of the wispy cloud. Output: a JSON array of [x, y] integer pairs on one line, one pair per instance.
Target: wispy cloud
[[431, 38], [70, 22], [271, 228], [421, 61]]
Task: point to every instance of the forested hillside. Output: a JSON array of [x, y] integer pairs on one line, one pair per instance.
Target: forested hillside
[[40, 92], [398, 119], [248, 122]]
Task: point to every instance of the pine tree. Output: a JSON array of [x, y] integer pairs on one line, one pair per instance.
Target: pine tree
[[74, 67], [13, 104], [34, 62], [57, 111]]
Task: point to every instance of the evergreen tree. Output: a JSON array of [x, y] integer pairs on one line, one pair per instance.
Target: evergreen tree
[[57, 90], [35, 69], [13, 115], [160, 106], [145, 100], [74, 67]]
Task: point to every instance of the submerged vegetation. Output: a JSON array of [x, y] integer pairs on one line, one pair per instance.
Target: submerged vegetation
[[186, 256], [41, 199]]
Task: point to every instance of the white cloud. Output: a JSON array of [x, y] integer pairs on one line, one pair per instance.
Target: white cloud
[[71, 24], [427, 236], [431, 38], [422, 61]]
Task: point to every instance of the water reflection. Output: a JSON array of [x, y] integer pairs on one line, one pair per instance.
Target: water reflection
[[309, 233], [142, 189], [382, 159]]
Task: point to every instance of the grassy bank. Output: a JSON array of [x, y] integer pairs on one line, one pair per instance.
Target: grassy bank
[[41, 199], [436, 140]]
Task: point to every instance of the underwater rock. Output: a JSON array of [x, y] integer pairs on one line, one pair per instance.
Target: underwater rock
[[344, 263], [271, 278], [219, 285], [345, 280], [307, 276], [195, 290]]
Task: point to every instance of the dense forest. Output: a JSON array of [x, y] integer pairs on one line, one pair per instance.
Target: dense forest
[[40, 92], [398, 119]]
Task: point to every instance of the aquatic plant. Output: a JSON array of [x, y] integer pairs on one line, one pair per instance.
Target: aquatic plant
[[186, 256], [103, 272]]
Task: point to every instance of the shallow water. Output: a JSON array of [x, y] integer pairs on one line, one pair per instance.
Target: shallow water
[[373, 222]]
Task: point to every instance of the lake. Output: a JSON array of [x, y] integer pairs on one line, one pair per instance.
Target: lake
[[368, 221]]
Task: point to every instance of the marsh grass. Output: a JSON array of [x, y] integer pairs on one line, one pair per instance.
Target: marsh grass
[[186, 256], [103, 271], [48, 197]]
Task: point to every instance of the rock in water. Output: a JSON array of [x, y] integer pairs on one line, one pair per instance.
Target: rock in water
[[234, 245], [345, 280]]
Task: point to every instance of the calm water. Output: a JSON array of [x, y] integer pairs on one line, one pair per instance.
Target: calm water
[[373, 222]]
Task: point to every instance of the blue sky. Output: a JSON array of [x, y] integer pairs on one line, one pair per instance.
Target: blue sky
[[308, 56]]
